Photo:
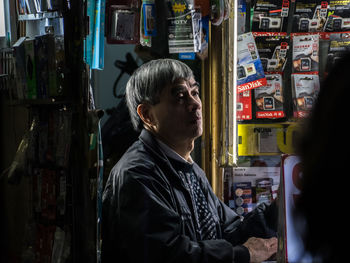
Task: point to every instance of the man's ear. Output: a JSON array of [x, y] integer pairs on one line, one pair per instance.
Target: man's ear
[[144, 110]]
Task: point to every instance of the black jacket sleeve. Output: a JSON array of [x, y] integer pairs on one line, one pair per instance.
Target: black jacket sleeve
[[261, 222]]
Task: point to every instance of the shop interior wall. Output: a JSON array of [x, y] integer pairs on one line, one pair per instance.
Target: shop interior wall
[[105, 79]]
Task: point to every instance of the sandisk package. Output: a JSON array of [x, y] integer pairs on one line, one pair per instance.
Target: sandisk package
[[310, 16], [270, 16], [339, 18], [305, 88], [269, 98], [244, 105], [305, 53], [250, 73], [273, 52]]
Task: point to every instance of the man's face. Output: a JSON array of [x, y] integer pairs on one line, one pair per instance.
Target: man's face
[[178, 115]]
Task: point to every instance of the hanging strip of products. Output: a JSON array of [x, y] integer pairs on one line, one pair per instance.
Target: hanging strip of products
[[296, 43]]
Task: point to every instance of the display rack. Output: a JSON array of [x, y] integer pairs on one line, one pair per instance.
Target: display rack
[[38, 16]]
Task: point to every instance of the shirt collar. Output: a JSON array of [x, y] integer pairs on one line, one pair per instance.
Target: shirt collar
[[172, 154]]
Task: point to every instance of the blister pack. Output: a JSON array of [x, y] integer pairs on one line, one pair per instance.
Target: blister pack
[[270, 16]]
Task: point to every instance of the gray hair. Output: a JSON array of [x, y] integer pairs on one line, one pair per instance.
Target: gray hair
[[147, 82]]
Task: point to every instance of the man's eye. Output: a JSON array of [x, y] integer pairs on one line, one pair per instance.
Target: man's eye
[[195, 93], [180, 95]]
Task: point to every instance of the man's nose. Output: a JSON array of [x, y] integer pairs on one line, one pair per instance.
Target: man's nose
[[194, 103]]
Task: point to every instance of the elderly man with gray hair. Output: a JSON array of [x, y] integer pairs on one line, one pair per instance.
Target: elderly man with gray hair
[[158, 205]]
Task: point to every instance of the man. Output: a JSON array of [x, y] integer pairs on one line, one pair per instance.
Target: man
[[158, 205]]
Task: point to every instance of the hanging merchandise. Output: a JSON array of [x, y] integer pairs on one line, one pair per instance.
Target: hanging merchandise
[[248, 186], [197, 36], [270, 16], [269, 98], [39, 65], [250, 73], [123, 21], [243, 198], [147, 22], [310, 16], [305, 88], [266, 139], [338, 47], [94, 42], [204, 38], [244, 105], [241, 17], [339, 16], [264, 190], [21, 7], [217, 10], [306, 53], [182, 29], [273, 51]]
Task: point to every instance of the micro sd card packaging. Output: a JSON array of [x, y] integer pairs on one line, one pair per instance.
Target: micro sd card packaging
[[250, 73], [273, 52], [269, 98], [305, 53], [270, 16], [339, 16], [310, 16], [305, 89], [244, 105]]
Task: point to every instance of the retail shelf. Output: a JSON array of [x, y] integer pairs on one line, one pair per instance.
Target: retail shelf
[[39, 16]]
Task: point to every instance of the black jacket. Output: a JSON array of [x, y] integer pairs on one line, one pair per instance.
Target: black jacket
[[147, 214]]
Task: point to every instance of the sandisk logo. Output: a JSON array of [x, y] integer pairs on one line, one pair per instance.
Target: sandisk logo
[[250, 85]]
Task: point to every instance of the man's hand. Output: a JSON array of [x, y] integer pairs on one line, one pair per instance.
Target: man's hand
[[261, 249]]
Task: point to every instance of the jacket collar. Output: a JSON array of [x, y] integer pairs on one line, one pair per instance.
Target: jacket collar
[[151, 142]]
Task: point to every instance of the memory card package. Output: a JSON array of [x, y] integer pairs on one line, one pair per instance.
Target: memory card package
[[244, 105], [338, 46], [270, 16], [269, 98], [310, 16], [305, 53], [250, 73], [339, 16], [273, 52], [305, 88]]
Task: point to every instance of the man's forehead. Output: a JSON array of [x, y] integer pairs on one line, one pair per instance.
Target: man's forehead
[[189, 81]]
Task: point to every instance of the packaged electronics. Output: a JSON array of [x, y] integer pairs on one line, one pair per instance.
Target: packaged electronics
[[339, 18], [246, 186], [339, 45], [270, 16], [250, 73], [266, 139], [310, 16], [242, 193], [273, 52], [306, 53], [264, 190], [123, 24], [244, 105], [305, 88], [182, 29], [269, 98]]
